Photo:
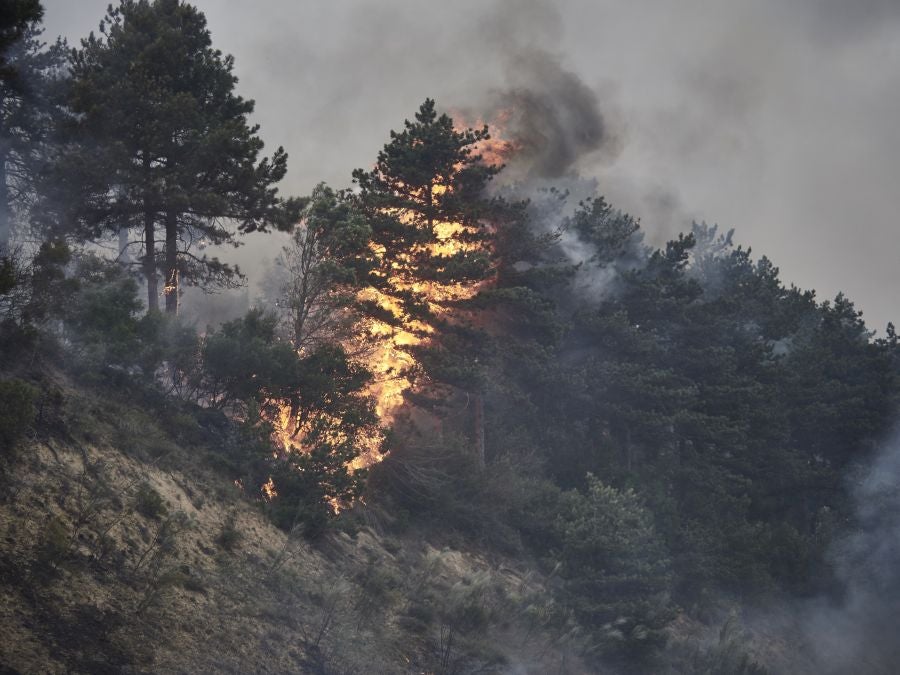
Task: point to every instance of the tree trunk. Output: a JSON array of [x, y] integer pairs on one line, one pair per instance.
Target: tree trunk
[[5, 208], [150, 261], [171, 287]]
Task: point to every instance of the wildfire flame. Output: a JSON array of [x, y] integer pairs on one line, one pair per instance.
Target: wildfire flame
[[269, 491], [385, 347], [498, 149], [391, 361]]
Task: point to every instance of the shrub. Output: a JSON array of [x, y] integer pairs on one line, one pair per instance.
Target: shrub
[[149, 503], [16, 412], [730, 655], [418, 617], [101, 321], [230, 537], [52, 549]]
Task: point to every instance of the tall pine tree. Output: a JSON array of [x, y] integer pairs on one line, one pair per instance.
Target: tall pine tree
[[162, 142], [425, 201]]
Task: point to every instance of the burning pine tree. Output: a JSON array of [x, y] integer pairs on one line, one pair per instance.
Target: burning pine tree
[[387, 271], [431, 220]]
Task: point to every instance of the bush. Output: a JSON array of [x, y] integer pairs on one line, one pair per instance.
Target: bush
[[8, 275], [17, 400], [437, 479], [230, 537], [101, 321], [149, 503], [52, 549], [729, 656], [418, 617]]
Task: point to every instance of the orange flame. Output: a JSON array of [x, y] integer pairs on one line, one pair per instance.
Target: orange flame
[[269, 491], [385, 347], [498, 149]]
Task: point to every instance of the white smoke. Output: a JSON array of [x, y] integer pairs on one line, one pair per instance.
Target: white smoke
[[857, 633]]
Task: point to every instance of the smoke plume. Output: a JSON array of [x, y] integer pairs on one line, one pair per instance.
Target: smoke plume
[[554, 117], [857, 633], [546, 111]]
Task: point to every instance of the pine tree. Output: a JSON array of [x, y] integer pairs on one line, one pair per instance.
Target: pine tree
[[425, 202], [30, 79], [17, 17], [161, 139], [432, 225]]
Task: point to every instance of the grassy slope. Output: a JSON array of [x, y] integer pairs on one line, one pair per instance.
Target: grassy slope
[[98, 577]]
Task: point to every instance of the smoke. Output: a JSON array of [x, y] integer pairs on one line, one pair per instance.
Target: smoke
[[555, 119], [775, 118], [512, 70], [857, 633], [549, 114], [851, 628]]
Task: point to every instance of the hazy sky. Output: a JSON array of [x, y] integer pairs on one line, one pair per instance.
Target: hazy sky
[[780, 119]]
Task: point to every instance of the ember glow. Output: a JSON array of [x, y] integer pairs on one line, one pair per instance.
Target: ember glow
[[268, 490]]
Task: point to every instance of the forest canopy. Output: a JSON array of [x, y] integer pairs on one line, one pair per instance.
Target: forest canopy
[[659, 428]]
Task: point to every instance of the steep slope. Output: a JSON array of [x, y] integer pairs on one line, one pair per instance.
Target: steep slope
[[124, 551]]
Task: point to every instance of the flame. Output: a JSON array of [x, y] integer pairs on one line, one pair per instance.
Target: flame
[[391, 361], [269, 491], [385, 347], [497, 150]]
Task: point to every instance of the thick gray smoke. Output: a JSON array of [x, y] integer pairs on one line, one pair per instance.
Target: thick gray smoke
[[554, 117], [551, 116]]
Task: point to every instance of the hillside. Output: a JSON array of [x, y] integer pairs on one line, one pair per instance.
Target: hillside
[[468, 417], [125, 552], [128, 550]]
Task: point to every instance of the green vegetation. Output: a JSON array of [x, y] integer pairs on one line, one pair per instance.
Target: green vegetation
[[663, 432], [157, 137], [149, 503]]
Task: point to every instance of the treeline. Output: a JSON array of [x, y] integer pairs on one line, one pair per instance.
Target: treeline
[[661, 428], [668, 429]]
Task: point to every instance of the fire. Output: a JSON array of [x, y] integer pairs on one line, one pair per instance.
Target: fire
[[391, 361], [498, 149], [388, 359], [385, 347], [269, 491]]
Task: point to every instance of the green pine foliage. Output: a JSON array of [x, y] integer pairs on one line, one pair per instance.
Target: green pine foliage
[[615, 569], [248, 372], [32, 79], [731, 403], [662, 427], [17, 17], [428, 174], [159, 143]]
